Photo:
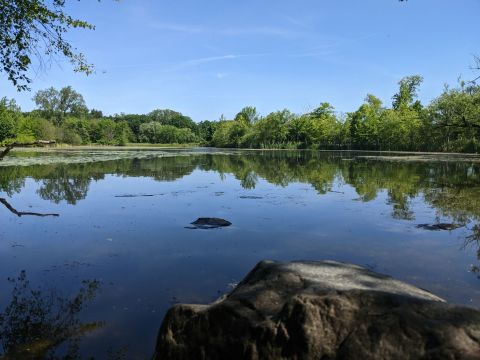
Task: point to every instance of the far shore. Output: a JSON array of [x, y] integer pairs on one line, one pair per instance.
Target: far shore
[[379, 155]]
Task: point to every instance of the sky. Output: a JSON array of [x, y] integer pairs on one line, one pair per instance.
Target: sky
[[206, 58]]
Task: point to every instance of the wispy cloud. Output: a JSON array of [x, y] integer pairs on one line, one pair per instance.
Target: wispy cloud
[[226, 31], [221, 75], [170, 67], [318, 52], [262, 31], [205, 60], [183, 28], [296, 22]]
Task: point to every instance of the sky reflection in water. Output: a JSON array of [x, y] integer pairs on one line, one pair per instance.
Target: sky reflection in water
[[283, 205]]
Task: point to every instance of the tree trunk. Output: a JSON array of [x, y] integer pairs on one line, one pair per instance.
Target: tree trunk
[[9, 147]]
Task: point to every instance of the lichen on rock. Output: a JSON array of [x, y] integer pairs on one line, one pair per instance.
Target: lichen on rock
[[320, 310]]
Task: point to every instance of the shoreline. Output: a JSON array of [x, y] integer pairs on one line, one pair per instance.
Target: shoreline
[[197, 146]]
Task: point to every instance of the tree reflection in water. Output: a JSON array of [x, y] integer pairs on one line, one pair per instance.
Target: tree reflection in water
[[474, 240], [37, 322], [452, 188]]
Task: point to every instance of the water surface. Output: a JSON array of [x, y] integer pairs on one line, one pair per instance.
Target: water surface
[[120, 253]]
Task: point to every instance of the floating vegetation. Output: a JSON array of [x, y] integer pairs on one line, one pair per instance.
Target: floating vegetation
[[22, 157], [48, 156], [425, 158], [74, 157]]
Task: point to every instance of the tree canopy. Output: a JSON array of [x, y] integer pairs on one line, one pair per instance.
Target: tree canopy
[[57, 104], [450, 122], [36, 29]]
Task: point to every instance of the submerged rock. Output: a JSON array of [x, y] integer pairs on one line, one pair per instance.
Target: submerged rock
[[209, 223], [320, 310], [440, 226]]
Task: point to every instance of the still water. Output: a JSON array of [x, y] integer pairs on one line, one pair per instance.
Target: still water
[[97, 279]]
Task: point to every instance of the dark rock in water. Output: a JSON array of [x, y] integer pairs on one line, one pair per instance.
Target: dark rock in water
[[251, 197], [320, 310], [209, 223], [439, 226]]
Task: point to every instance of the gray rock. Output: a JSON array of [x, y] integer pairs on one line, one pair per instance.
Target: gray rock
[[209, 223], [440, 226], [320, 310]]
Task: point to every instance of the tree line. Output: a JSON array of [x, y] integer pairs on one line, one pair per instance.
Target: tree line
[[450, 122], [62, 115]]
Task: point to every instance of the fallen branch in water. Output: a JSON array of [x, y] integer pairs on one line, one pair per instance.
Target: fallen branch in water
[[9, 147], [23, 213], [137, 195], [336, 192]]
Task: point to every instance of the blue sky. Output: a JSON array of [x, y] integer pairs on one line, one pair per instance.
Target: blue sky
[[212, 57]]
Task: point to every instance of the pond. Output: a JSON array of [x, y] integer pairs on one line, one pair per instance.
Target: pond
[[115, 249]]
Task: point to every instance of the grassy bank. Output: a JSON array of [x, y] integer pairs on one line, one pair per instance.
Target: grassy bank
[[129, 146]]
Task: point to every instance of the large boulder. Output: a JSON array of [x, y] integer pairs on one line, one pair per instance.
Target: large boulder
[[320, 310]]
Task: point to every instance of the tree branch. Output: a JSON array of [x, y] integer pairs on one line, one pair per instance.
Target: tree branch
[[9, 147], [23, 213]]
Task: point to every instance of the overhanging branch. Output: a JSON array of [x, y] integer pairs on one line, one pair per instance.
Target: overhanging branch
[[9, 147]]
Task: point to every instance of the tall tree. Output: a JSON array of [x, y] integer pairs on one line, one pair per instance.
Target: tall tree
[[365, 123], [248, 114], [57, 104], [407, 91]]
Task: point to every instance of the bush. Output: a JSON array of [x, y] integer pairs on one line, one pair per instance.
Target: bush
[[9, 117], [155, 133], [69, 136]]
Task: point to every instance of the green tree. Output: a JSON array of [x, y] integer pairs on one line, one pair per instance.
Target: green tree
[[366, 123], [156, 133], [78, 130], [174, 118], [248, 114], [134, 121], [230, 133], [326, 128], [455, 118], [407, 92], [400, 130], [272, 130], [206, 129], [317, 129], [36, 28], [95, 114], [324, 109], [57, 104], [109, 132], [43, 129], [9, 118]]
